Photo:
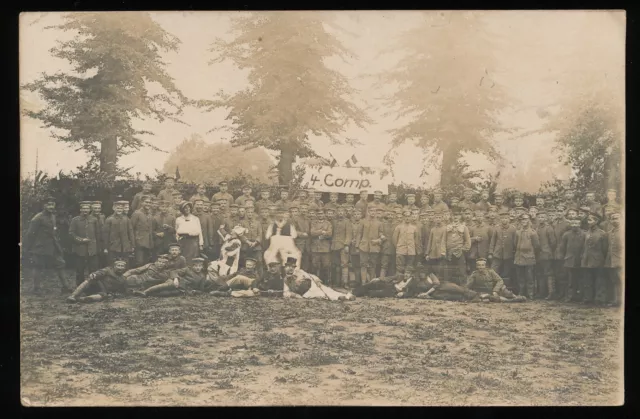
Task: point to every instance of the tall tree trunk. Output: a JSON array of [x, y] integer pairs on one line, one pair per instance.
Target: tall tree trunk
[[285, 165], [450, 156], [109, 155]]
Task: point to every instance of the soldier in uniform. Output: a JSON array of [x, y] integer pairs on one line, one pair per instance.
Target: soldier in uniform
[[455, 203], [189, 279], [406, 240], [485, 280], [457, 243], [424, 201], [101, 284], [436, 251], [340, 241], [527, 244], [502, 249], [175, 260], [411, 202], [612, 203], [154, 205], [223, 194], [438, 204], [216, 220], [499, 202], [593, 258], [85, 234], [246, 194], [467, 201], [311, 193], [302, 197], [96, 211], [117, 235], [169, 188], [350, 200], [540, 201], [533, 216], [142, 224], [333, 201], [300, 221], [321, 232], [370, 245], [137, 198], [377, 201], [362, 204], [571, 248], [592, 204], [483, 204], [163, 228], [480, 235], [613, 262], [148, 275], [284, 201], [392, 201], [546, 256], [265, 199], [201, 194], [518, 200], [354, 249], [388, 249], [317, 200], [205, 222], [570, 198], [177, 201]]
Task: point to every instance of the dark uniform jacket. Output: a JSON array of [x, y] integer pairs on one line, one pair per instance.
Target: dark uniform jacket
[[177, 263], [437, 243], [571, 248], [356, 236], [406, 239], [84, 228], [150, 273], [527, 244], [480, 249], [42, 237], [595, 248], [118, 234], [254, 233], [548, 242], [109, 281], [457, 239], [142, 224], [388, 246], [318, 244], [302, 225], [271, 281], [159, 221], [485, 280], [189, 279], [560, 227]]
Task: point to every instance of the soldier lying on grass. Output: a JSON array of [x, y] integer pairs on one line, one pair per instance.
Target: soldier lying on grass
[[148, 275], [102, 284], [186, 280]]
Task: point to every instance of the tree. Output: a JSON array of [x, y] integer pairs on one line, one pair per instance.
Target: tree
[[446, 90], [116, 63], [292, 93], [201, 162]]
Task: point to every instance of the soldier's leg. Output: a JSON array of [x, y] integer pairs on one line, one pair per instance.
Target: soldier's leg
[[571, 285], [372, 262], [166, 286], [588, 285], [364, 262], [461, 271], [530, 281], [540, 280], [59, 265], [384, 265], [601, 287], [315, 263], [326, 261], [400, 264], [344, 268], [336, 269], [520, 279], [81, 265], [355, 266]]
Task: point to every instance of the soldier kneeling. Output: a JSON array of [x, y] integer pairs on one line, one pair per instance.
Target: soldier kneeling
[[102, 284]]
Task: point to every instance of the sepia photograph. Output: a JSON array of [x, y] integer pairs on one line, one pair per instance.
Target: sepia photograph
[[322, 208]]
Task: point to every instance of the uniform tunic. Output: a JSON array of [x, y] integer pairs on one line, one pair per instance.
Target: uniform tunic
[[161, 244], [485, 280], [176, 263], [188, 279], [614, 253], [480, 249], [109, 281], [481, 206], [318, 244], [166, 195], [571, 248], [147, 276], [526, 245], [142, 224], [223, 195], [548, 242], [84, 228], [406, 239], [595, 248], [118, 234], [42, 237], [440, 206]]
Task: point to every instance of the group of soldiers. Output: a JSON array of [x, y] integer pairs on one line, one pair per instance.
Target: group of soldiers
[[419, 247]]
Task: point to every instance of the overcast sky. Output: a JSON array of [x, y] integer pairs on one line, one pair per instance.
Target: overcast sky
[[548, 47]]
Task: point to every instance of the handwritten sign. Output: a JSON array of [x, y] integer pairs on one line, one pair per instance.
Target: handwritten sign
[[344, 180]]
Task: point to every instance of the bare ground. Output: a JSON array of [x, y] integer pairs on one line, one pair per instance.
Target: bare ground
[[225, 351]]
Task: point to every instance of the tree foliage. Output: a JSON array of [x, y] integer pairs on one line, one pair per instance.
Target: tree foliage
[[116, 64], [202, 162], [292, 93], [446, 89]]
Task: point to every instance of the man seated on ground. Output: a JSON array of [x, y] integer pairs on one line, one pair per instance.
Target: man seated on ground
[[191, 279], [239, 284], [148, 275], [102, 284], [489, 285], [300, 284], [272, 282], [175, 260]]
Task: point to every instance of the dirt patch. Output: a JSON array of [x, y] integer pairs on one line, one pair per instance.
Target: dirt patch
[[224, 351]]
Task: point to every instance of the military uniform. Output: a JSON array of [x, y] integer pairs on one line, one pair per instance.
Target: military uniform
[[370, 246], [407, 243], [388, 248], [593, 258], [458, 242], [436, 250], [254, 234], [527, 244], [137, 200], [571, 248], [321, 232], [101, 283], [440, 206], [118, 237], [354, 250], [613, 264], [303, 228], [501, 252], [142, 224], [96, 211], [340, 240], [544, 261], [146, 276], [164, 231], [167, 195], [85, 235]]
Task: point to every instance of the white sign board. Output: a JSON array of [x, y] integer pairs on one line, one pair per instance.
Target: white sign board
[[344, 180]]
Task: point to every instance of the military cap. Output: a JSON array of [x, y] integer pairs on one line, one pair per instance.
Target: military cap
[[174, 245], [85, 203], [406, 212], [520, 209], [273, 207], [378, 192], [573, 208], [524, 216], [429, 211], [364, 191], [481, 260], [304, 204], [145, 198], [584, 208], [410, 195], [246, 187], [96, 203], [333, 193], [456, 210], [615, 212], [468, 189], [398, 210], [596, 215], [273, 264], [503, 212], [590, 191], [291, 261], [533, 207], [492, 208], [233, 206], [293, 206], [330, 209], [223, 183], [497, 193], [251, 259], [437, 191], [183, 204], [455, 198], [169, 177], [222, 201], [176, 193], [612, 190], [561, 207], [201, 260], [119, 260], [393, 193]]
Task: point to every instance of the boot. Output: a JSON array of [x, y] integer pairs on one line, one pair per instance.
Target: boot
[[64, 288], [345, 277], [383, 273], [551, 286], [74, 295], [159, 288], [372, 273], [91, 298]]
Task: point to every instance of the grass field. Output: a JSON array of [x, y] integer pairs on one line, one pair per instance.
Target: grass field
[[225, 351]]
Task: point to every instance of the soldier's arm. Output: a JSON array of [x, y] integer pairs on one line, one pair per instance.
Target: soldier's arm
[[138, 271], [417, 235], [492, 242], [470, 280], [132, 237], [535, 241], [32, 232], [395, 235], [73, 226], [563, 246], [106, 230], [553, 240], [99, 274], [330, 230], [348, 233], [466, 243], [499, 282]]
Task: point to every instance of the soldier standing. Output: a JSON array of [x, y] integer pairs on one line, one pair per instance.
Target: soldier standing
[[518, 200], [201, 194], [265, 199], [613, 262], [252, 239], [321, 232], [593, 258], [300, 221], [96, 211], [246, 194], [546, 256], [117, 235], [480, 235], [388, 249], [370, 245], [411, 202], [354, 249], [502, 249], [205, 222], [377, 201], [571, 248], [349, 201], [594, 206], [405, 241], [142, 224], [483, 204], [527, 245], [467, 201], [392, 201], [362, 204], [438, 203], [163, 228], [223, 194], [333, 201], [499, 202], [85, 235], [340, 241], [458, 242]]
